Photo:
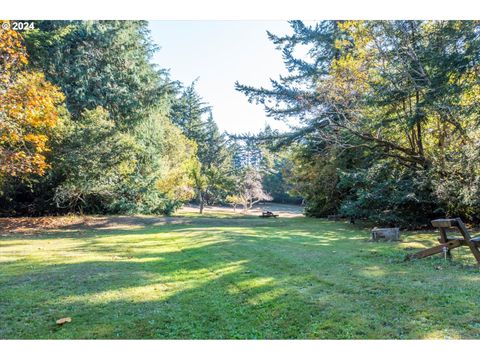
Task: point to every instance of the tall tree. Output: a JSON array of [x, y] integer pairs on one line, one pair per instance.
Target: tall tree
[[213, 177], [370, 91], [30, 108], [101, 63], [118, 150]]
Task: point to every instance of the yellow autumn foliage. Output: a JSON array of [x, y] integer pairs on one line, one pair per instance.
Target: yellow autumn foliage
[[29, 110]]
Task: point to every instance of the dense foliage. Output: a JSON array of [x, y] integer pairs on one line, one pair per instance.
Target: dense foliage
[[213, 177], [29, 111], [90, 125], [383, 115], [100, 63], [85, 122], [387, 117]]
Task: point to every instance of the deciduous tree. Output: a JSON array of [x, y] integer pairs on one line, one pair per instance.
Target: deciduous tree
[[30, 108]]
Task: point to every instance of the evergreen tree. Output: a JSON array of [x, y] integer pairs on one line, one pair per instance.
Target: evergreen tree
[[101, 63], [372, 91], [115, 149], [213, 177]]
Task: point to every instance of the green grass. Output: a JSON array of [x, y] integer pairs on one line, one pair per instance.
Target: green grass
[[233, 277]]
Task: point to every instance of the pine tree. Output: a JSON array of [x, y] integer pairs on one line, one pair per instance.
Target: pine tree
[[399, 98], [194, 117], [101, 63]]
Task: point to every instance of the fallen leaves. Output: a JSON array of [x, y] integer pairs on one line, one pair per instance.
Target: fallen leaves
[[63, 321]]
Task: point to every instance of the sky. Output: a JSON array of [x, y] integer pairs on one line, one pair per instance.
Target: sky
[[219, 53]]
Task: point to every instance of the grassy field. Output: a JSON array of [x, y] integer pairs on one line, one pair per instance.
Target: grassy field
[[231, 277]]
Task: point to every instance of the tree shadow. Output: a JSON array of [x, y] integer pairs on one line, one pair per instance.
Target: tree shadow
[[229, 283]]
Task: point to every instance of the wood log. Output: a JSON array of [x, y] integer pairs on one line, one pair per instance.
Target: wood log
[[436, 249], [450, 243], [444, 223]]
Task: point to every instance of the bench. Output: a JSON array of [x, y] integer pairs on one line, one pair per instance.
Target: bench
[[448, 243], [268, 214]]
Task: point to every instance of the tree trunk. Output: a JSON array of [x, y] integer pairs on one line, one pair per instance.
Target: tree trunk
[[200, 201], [419, 127]]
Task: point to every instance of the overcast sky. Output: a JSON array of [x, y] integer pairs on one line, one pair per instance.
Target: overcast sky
[[219, 53]]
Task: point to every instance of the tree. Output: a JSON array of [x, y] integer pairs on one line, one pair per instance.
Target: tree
[[213, 176], [379, 90], [162, 179], [261, 152], [92, 161], [101, 63], [105, 170], [234, 200], [250, 190], [30, 108], [247, 151]]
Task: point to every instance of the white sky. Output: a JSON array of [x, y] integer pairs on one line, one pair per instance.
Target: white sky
[[219, 53]]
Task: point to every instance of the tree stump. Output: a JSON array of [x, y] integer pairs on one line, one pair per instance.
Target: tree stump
[[387, 234]]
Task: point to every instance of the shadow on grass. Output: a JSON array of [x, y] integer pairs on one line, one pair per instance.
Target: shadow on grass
[[306, 281]]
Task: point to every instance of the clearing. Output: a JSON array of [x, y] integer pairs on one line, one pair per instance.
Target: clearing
[[225, 275]]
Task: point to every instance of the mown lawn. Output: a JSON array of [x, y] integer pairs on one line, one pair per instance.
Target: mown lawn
[[233, 277]]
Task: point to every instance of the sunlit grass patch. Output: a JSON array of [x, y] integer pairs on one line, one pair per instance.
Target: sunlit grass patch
[[233, 277]]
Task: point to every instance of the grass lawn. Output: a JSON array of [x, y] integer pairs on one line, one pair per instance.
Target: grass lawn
[[232, 277]]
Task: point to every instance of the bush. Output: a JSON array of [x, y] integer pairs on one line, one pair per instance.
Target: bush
[[388, 195]]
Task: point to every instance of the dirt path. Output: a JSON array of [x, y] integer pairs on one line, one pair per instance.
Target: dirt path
[[283, 210]]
